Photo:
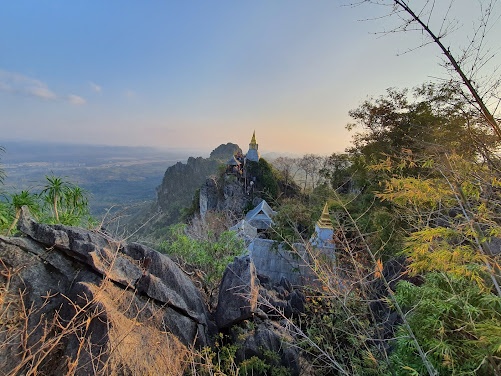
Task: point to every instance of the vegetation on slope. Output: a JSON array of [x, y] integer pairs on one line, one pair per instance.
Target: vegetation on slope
[[59, 201]]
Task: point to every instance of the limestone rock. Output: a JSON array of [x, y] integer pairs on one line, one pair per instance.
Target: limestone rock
[[208, 196], [238, 293], [98, 251], [165, 282], [229, 197], [270, 337], [124, 303], [234, 196], [277, 300], [124, 331], [225, 151]]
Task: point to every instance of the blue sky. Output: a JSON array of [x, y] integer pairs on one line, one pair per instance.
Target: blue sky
[[199, 73]]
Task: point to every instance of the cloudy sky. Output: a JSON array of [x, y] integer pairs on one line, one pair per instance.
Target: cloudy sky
[[198, 73]]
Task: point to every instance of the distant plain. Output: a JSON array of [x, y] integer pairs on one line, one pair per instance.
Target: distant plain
[[113, 175]]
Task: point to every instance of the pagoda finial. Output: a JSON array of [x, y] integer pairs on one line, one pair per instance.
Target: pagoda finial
[[253, 141], [325, 218]]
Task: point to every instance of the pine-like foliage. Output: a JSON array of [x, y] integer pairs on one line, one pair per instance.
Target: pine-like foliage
[[456, 322]]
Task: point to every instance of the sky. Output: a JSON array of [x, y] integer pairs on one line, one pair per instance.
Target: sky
[[196, 73]]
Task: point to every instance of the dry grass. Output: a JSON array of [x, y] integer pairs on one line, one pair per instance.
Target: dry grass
[[34, 343]]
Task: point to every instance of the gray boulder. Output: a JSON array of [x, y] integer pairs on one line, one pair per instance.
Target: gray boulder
[[208, 196], [278, 300], [270, 338], [125, 264], [110, 303], [95, 249], [166, 282], [238, 293]]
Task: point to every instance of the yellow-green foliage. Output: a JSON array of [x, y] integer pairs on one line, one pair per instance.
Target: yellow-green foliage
[[451, 217], [446, 250], [457, 324]]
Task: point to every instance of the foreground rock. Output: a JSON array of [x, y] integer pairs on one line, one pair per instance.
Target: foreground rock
[[238, 293], [270, 342], [94, 303], [251, 308]]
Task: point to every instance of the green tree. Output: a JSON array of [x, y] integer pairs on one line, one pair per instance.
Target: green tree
[[294, 221], [67, 202], [467, 65], [76, 200], [265, 178], [450, 213], [438, 120], [450, 217], [336, 170]]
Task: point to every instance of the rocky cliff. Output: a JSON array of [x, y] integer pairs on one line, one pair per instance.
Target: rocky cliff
[[226, 194], [80, 302], [182, 180], [177, 191]]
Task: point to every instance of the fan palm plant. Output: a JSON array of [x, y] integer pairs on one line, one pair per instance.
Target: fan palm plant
[[18, 201], [54, 190]]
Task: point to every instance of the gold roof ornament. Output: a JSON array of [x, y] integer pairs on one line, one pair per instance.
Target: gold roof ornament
[[253, 141], [325, 218]]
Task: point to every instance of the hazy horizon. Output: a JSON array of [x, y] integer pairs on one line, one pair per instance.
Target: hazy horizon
[[196, 75]]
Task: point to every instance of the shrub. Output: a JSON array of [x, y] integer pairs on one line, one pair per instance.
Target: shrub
[[209, 256], [266, 180]]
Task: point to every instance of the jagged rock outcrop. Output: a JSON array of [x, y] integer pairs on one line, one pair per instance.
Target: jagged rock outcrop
[[178, 191], [269, 337], [209, 195], [182, 180], [243, 293], [243, 296], [238, 293], [105, 304], [225, 151], [226, 194], [280, 299], [180, 183]]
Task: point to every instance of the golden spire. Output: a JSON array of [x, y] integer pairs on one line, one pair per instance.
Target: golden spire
[[325, 218], [253, 141]]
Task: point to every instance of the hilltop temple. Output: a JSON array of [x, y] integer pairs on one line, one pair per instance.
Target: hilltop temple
[[236, 163], [253, 153], [277, 261]]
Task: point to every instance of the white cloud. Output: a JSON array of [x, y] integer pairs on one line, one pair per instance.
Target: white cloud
[[95, 87], [40, 92], [20, 84], [16, 83], [75, 99]]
